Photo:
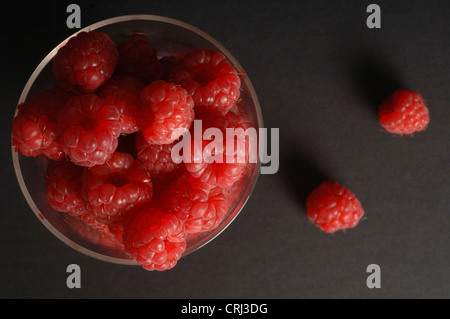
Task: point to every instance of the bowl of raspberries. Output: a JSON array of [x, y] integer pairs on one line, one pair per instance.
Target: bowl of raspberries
[[129, 140]]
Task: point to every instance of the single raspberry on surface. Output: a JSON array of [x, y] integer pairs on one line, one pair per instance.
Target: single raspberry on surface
[[404, 112], [87, 60], [63, 187], [89, 129], [124, 95], [201, 206], [114, 190], [209, 78], [333, 207], [166, 113], [137, 57], [155, 239], [34, 128]]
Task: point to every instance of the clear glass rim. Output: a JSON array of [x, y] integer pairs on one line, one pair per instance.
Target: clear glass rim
[[49, 57]]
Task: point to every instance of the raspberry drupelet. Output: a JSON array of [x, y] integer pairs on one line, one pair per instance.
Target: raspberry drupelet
[[333, 207], [89, 130], [166, 113], [86, 60], [404, 112], [155, 239], [209, 78], [114, 190]]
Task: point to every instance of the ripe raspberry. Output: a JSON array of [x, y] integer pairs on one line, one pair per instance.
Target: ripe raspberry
[[155, 239], [63, 186], [167, 112], [34, 128], [124, 95], [209, 78], [138, 58], [115, 189], [157, 158], [220, 166], [89, 130], [91, 221], [117, 83], [201, 206], [87, 60], [333, 207], [94, 232], [404, 112]]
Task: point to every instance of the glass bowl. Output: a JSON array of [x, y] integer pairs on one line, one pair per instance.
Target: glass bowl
[[169, 37]]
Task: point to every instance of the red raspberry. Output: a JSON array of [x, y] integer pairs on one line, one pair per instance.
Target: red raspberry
[[124, 95], [89, 130], [167, 112], [155, 239], [115, 189], [117, 83], [63, 185], [209, 78], [87, 59], [157, 158], [224, 167], [34, 128], [138, 58], [91, 221], [404, 112], [333, 207], [201, 207]]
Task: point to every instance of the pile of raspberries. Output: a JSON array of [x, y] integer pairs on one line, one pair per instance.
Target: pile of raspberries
[[108, 126]]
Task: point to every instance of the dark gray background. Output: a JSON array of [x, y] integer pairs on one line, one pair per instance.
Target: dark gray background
[[319, 73]]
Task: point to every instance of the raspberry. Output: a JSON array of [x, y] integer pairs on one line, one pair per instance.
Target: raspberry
[[155, 239], [209, 78], [86, 60], [157, 158], [124, 95], [89, 130], [167, 112], [63, 186], [115, 189], [94, 232], [333, 207], [34, 128], [404, 112], [201, 207], [225, 167], [206, 216], [138, 58], [90, 221], [117, 83]]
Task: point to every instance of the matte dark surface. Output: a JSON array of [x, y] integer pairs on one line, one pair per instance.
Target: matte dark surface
[[319, 73]]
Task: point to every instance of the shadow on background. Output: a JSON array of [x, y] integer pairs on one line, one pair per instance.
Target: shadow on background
[[375, 80], [302, 176]]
